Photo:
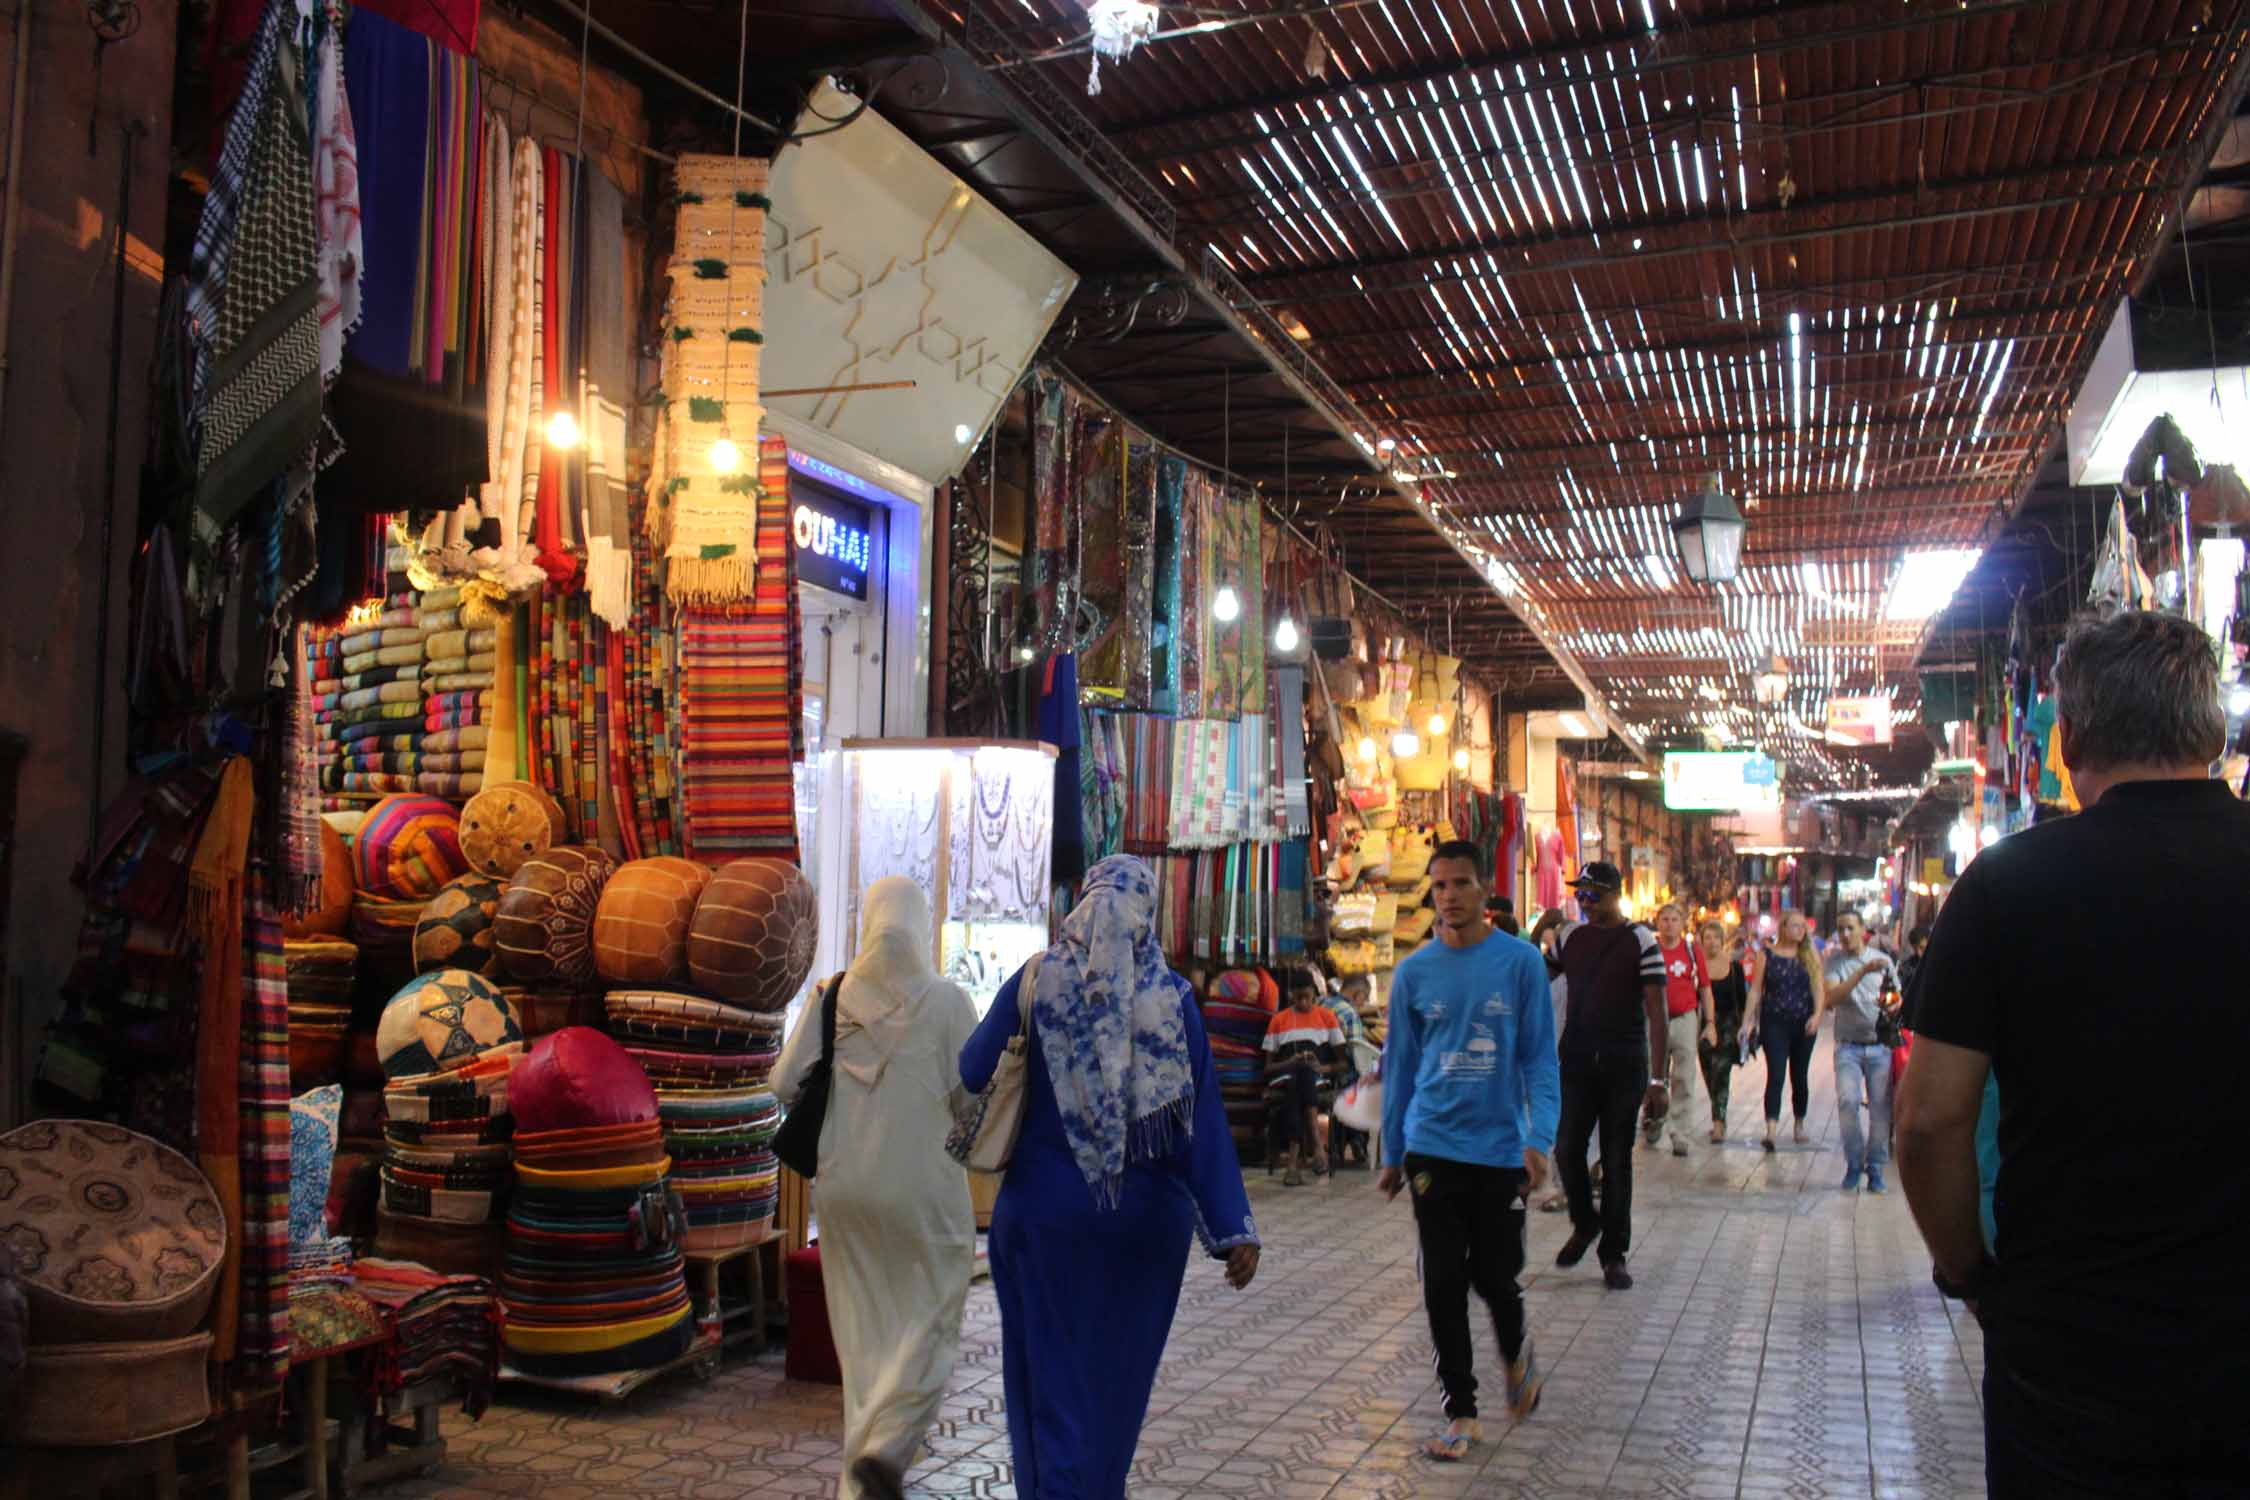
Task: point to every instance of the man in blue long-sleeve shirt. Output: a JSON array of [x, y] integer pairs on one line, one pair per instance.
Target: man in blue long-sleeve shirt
[[1471, 1097]]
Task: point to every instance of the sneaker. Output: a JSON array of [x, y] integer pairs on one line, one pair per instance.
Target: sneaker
[[1875, 1180], [1574, 1249], [1851, 1179], [1679, 1145], [1526, 1382], [1616, 1277]]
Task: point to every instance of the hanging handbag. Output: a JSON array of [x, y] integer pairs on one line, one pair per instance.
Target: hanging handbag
[[797, 1142], [986, 1141]]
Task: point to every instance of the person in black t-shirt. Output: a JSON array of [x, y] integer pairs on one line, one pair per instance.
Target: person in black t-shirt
[[1616, 1025], [2115, 1309]]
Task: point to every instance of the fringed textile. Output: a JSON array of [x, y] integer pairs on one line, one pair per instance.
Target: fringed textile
[[262, 1348]]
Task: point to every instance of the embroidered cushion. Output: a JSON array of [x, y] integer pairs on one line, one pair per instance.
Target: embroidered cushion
[[455, 931], [641, 930], [312, 1157], [408, 848], [442, 1021], [508, 823], [751, 940], [545, 927]]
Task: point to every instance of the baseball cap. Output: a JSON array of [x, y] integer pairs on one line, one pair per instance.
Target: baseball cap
[[1601, 874]]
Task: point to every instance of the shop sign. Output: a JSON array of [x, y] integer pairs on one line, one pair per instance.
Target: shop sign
[[1720, 780], [835, 540], [1859, 721]]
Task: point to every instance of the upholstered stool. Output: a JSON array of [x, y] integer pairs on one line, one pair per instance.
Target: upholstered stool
[[812, 1347]]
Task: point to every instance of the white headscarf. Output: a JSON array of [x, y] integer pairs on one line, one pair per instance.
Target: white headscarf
[[893, 970]]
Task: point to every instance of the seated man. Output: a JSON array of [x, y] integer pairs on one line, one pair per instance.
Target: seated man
[[1304, 1060]]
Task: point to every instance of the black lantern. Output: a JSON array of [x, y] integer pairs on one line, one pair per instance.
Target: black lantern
[[1709, 532]]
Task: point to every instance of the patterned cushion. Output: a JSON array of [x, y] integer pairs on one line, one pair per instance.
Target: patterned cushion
[[312, 1156], [455, 931], [545, 927], [641, 929], [752, 938], [508, 823], [442, 1021], [408, 848]]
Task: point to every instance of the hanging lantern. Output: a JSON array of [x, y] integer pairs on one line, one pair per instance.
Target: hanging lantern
[[1117, 27], [1709, 533]]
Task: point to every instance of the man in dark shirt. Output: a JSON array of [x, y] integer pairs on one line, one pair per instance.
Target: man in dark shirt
[[2115, 1310], [1615, 1026]]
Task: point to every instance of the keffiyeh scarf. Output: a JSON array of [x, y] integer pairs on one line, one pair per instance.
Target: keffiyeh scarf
[[1111, 1027]]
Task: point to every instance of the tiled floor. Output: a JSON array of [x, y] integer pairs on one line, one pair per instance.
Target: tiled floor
[[1783, 1340]]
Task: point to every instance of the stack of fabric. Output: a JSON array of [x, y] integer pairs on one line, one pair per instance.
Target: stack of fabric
[[457, 675], [380, 702], [1236, 1012], [595, 1280], [448, 1043], [443, 1324], [710, 1064]]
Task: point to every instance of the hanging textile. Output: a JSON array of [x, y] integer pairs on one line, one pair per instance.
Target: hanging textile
[[1059, 726], [609, 381], [1566, 817], [262, 1348], [336, 198], [1103, 623], [1051, 565], [387, 75], [1137, 540]]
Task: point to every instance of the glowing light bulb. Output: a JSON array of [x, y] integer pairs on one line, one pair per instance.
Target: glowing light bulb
[[725, 456], [961, 432], [1025, 653], [1437, 724], [1285, 635], [562, 430], [2238, 702], [1367, 747], [1461, 761], [1226, 605], [1406, 744]]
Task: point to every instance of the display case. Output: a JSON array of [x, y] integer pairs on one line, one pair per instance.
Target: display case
[[970, 821]]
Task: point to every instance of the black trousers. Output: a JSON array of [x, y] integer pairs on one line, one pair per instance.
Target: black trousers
[[1788, 1049], [1471, 1223], [1300, 1089], [2048, 1445], [1604, 1091]]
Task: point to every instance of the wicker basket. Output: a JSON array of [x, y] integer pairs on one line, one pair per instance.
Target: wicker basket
[[94, 1395]]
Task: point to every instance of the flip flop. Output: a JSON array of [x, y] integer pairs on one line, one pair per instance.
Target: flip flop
[[1449, 1447]]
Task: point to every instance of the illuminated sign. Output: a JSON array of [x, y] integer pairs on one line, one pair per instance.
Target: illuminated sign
[[1720, 781], [835, 540], [1859, 721]]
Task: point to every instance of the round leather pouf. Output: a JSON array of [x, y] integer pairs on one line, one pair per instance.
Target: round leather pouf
[[751, 941], [408, 848], [443, 1021], [455, 931], [545, 927], [578, 1078], [507, 823], [641, 931]]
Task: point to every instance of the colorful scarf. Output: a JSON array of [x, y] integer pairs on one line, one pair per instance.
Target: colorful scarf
[[1110, 1024], [609, 381], [336, 202], [262, 1080], [215, 918], [215, 233]]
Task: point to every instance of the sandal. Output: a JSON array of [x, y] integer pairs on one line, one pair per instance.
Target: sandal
[[1453, 1445]]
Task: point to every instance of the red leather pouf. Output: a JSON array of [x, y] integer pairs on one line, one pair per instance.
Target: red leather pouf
[[812, 1348]]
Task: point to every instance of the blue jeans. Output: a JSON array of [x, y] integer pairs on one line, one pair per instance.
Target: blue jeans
[[1863, 1074]]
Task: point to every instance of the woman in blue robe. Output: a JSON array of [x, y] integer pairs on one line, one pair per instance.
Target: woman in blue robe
[[1124, 1156]]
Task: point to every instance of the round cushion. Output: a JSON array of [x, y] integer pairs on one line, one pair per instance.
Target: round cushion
[[577, 1078], [641, 931], [115, 1236], [545, 926], [333, 912], [456, 927], [506, 824], [443, 1020], [408, 848], [752, 938]]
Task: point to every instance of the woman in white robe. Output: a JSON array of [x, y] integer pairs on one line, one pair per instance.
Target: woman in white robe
[[897, 1232]]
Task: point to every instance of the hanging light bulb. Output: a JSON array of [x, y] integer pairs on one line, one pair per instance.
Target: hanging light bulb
[[1406, 744], [1461, 760], [1285, 635], [562, 430], [725, 456], [1367, 747], [1437, 723], [1226, 605]]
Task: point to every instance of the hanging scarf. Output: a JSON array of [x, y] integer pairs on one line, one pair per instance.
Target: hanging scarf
[[336, 203], [514, 341], [558, 565], [215, 233], [300, 866], [215, 880], [882, 990], [609, 377], [1111, 1028]]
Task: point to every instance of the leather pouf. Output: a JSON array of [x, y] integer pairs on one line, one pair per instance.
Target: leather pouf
[[456, 927], [578, 1078], [116, 1236], [443, 1021], [641, 930], [545, 927], [408, 848], [106, 1394], [508, 823], [752, 938], [333, 913]]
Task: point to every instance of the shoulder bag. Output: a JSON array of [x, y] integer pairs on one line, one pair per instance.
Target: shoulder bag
[[986, 1141], [797, 1142]]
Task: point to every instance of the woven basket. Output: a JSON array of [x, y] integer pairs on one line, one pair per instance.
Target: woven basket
[[716, 178], [94, 1395]]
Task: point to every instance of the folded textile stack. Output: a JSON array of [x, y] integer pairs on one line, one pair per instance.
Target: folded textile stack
[[444, 1324], [1236, 1013], [595, 1280], [449, 1042], [377, 693], [322, 972], [457, 682], [710, 1064]]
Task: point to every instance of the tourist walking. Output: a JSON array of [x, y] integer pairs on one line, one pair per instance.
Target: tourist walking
[[1687, 1011], [1123, 1159], [1788, 973], [1471, 1099], [1855, 982], [2114, 1306], [1615, 1032], [1734, 993], [897, 1232]]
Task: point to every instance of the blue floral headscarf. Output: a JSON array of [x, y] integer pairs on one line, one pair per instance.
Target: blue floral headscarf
[[1111, 1028]]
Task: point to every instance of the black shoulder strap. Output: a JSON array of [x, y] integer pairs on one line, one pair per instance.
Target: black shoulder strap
[[828, 1021]]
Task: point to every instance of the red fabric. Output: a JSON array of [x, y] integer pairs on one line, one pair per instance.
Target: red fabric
[[812, 1347], [449, 23], [579, 1077], [554, 559], [1684, 977]]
